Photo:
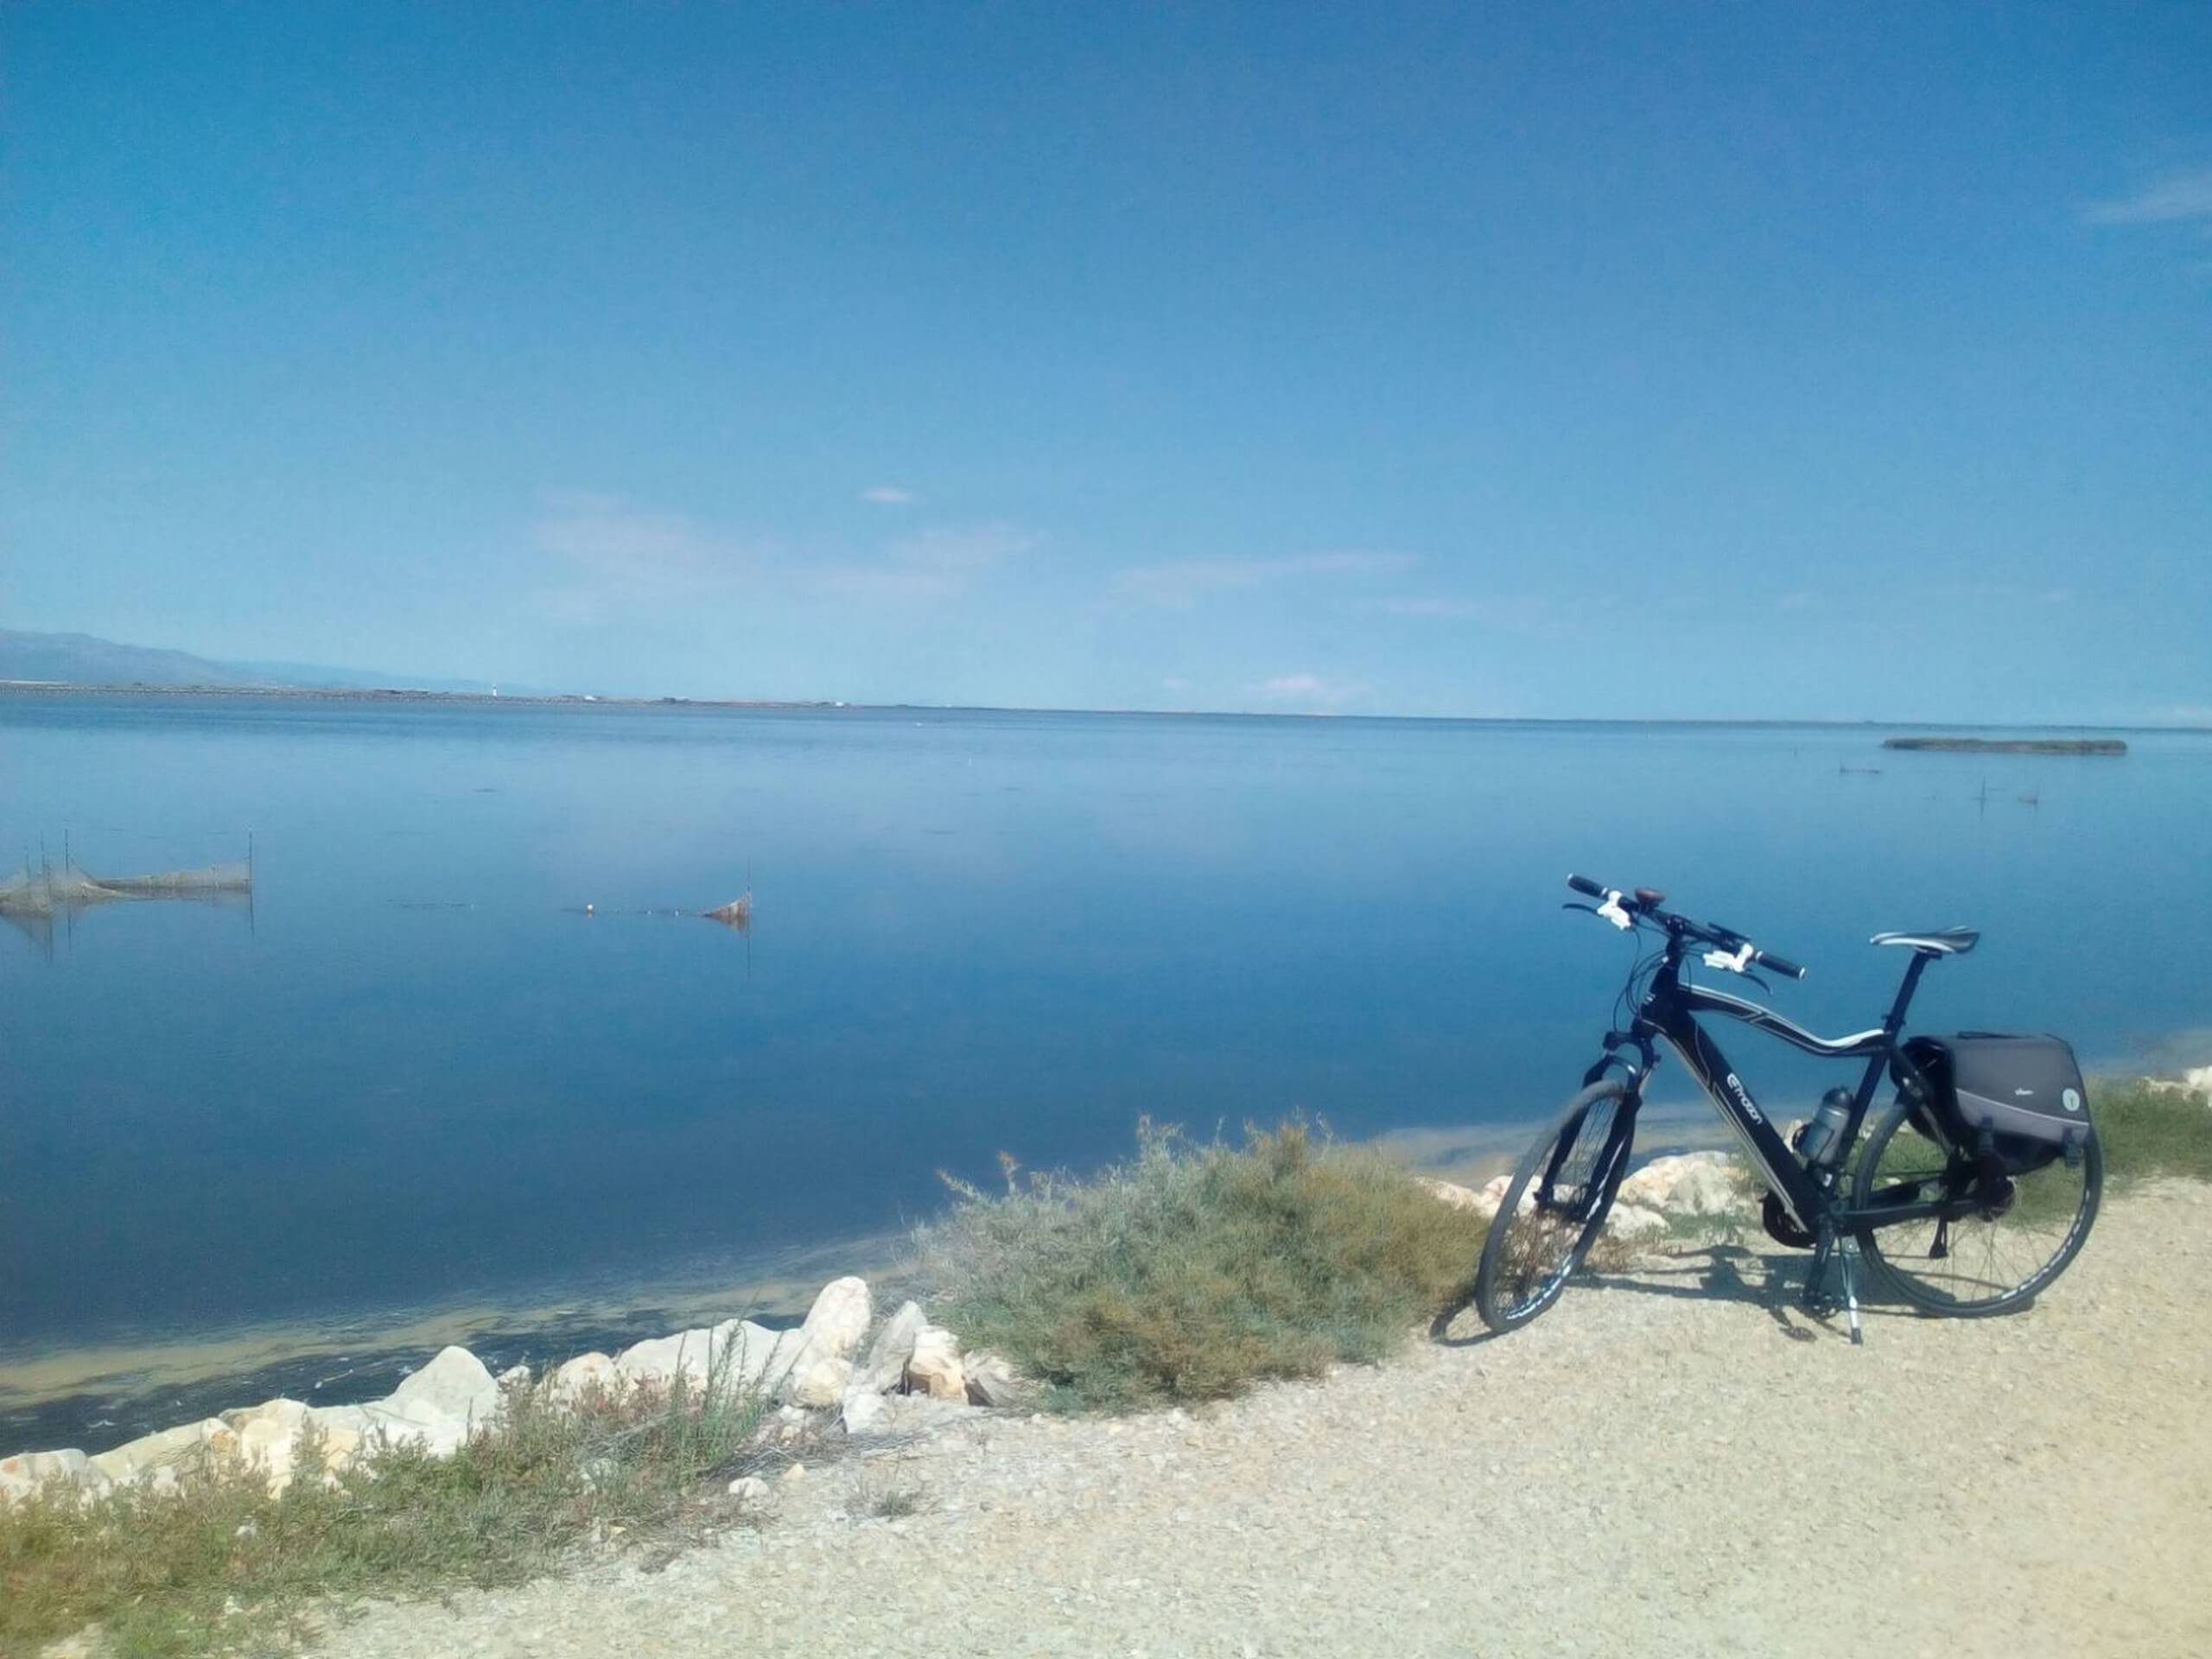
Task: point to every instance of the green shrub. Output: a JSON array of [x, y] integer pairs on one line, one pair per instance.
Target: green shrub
[[218, 1565], [1195, 1270], [2149, 1131]]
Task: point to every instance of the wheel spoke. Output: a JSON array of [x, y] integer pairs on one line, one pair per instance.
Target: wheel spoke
[[2012, 1240], [1552, 1209]]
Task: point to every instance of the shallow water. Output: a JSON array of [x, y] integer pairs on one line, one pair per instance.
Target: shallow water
[[413, 1075]]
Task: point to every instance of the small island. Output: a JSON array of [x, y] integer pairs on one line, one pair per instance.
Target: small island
[[2011, 745]]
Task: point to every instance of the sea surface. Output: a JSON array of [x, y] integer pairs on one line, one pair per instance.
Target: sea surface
[[469, 1058]]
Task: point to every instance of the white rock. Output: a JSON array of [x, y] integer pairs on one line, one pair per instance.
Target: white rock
[[27, 1471], [431, 1431], [935, 1369], [760, 1356], [454, 1384], [839, 1318], [820, 1367], [992, 1382], [1692, 1184], [792, 1476], [158, 1458], [1490, 1197], [691, 1355], [816, 1382], [515, 1377], [895, 1344], [1633, 1221], [344, 1430], [1458, 1196], [864, 1411], [737, 1353], [259, 1426], [268, 1436], [586, 1374], [750, 1488]]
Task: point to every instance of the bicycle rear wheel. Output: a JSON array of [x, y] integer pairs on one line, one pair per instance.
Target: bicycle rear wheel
[[2019, 1236], [1555, 1206]]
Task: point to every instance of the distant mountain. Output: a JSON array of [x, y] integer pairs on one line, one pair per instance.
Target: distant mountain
[[81, 659]]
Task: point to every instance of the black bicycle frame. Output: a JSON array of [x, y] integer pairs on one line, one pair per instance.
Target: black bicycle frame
[[1670, 1010]]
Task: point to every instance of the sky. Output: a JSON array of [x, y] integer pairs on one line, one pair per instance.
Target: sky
[[1733, 361]]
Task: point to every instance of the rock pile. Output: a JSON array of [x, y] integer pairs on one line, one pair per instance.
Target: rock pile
[[912, 1376], [2198, 1080], [1689, 1183]]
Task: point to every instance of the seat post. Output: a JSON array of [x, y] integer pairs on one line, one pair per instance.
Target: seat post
[[1895, 1022]]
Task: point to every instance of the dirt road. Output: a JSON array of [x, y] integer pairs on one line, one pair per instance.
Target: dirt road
[[1674, 1464]]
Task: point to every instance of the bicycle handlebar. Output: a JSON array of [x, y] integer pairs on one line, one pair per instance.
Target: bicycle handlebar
[[1640, 903]]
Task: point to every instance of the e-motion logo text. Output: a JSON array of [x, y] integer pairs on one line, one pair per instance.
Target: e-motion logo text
[[1744, 1098]]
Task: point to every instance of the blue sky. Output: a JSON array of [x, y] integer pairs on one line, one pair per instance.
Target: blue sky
[[1554, 360]]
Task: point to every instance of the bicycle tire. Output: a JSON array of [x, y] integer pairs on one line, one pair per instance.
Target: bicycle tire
[[1529, 1255], [2050, 1210]]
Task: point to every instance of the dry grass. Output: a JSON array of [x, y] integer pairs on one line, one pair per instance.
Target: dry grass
[[1195, 1270], [2148, 1131], [218, 1565]]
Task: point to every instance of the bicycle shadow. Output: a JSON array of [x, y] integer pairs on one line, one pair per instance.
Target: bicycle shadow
[[1718, 1271]]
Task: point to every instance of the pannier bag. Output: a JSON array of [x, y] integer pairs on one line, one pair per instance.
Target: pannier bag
[[2024, 1093]]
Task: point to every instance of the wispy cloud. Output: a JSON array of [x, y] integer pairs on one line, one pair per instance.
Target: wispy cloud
[[934, 564], [887, 495], [1309, 691], [2176, 197], [1517, 613], [610, 556], [607, 556], [1180, 583], [1998, 592]]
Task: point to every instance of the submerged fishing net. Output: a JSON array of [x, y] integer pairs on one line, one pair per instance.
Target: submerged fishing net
[[33, 900]]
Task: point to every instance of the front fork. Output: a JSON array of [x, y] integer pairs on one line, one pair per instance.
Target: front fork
[[1621, 1141]]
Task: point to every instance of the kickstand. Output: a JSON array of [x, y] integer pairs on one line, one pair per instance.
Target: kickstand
[[1816, 1300], [1847, 1252]]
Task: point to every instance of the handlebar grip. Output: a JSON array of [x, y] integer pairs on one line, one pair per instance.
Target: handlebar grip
[[1779, 965], [1584, 884]]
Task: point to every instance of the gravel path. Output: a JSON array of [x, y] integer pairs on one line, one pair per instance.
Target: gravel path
[[1679, 1463]]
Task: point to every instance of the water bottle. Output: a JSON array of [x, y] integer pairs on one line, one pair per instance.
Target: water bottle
[[1822, 1139]]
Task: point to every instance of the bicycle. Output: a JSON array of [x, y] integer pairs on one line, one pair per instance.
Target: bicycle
[[1946, 1225]]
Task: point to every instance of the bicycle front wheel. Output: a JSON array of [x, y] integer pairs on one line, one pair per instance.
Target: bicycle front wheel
[[1555, 1206], [2019, 1236]]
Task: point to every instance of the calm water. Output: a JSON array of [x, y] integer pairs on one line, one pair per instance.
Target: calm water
[[413, 1073]]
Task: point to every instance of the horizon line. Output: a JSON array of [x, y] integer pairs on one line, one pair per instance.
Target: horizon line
[[408, 694]]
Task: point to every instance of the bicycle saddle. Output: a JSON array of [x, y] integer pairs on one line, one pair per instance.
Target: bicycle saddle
[[1938, 941]]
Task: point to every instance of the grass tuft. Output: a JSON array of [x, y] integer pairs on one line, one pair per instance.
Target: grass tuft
[[217, 1563], [1197, 1269], [2148, 1131]]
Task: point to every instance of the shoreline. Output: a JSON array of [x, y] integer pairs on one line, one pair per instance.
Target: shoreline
[[106, 1391], [60, 688], [97, 1393]]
